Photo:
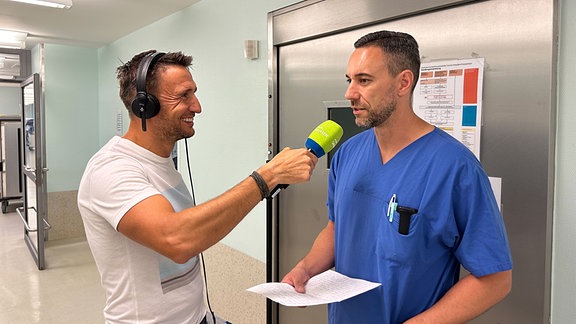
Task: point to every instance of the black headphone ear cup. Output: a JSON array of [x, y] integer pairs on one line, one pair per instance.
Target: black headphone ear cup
[[145, 105], [152, 107], [139, 104]]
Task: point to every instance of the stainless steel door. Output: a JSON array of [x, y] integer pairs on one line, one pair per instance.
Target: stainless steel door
[[309, 74], [518, 41], [34, 211], [10, 165], [10, 176]]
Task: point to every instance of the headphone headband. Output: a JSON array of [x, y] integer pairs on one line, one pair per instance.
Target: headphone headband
[[146, 64]]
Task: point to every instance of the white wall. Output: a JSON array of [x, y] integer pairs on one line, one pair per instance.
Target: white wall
[[232, 130], [71, 109], [564, 254], [10, 99], [71, 101]]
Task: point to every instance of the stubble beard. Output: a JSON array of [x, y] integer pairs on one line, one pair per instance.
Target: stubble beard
[[173, 133], [377, 117]]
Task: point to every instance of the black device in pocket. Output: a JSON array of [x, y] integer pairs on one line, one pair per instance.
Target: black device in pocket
[[405, 217]]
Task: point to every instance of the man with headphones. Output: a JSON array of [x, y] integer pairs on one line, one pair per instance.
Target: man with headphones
[[141, 222]]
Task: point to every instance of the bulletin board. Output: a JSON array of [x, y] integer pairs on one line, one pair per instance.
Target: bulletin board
[[448, 95]]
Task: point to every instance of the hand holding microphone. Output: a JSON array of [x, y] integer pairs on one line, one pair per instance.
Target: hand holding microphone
[[320, 141]]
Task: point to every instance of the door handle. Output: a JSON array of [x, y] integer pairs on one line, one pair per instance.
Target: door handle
[[20, 210]]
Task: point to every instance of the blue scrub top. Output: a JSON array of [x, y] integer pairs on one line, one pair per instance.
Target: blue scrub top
[[457, 223]]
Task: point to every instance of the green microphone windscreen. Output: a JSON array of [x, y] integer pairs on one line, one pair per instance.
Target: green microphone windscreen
[[324, 138]]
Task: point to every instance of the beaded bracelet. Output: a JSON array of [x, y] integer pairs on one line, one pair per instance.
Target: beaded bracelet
[[264, 190]]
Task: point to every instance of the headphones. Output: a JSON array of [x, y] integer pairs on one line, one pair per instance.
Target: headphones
[[145, 105]]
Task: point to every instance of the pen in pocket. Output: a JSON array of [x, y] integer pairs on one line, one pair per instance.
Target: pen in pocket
[[392, 208]]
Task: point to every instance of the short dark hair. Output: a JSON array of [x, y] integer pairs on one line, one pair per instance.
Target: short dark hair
[[126, 73], [401, 49]]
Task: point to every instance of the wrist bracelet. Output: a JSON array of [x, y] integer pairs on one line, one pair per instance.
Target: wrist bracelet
[[264, 190]]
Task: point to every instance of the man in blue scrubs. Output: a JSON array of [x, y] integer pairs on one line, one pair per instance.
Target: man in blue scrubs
[[408, 205]]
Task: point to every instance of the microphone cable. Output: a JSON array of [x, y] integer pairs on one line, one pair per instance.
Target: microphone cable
[[201, 254]]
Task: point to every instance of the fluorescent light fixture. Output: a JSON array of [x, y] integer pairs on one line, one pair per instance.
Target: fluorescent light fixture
[[12, 39], [61, 4]]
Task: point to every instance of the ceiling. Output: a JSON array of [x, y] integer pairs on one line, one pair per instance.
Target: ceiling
[[91, 23]]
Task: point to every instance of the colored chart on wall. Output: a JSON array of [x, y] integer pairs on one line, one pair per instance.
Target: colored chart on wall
[[449, 96]]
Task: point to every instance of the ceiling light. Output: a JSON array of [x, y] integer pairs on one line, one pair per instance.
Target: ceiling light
[[61, 4], [12, 39]]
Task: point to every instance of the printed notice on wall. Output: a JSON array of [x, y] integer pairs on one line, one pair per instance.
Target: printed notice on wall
[[449, 96], [119, 123]]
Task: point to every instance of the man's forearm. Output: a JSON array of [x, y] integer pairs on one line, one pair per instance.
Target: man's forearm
[[468, 299]]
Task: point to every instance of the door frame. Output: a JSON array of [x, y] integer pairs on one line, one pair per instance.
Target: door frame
[[35, 224]]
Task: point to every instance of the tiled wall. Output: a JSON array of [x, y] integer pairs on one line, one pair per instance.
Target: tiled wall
[[230, 273], [63, 216]]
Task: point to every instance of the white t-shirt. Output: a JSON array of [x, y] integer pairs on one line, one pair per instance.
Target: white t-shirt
[[141, 285]]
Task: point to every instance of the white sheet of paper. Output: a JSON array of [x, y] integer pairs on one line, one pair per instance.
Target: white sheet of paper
[[496, 184], [327, 287]]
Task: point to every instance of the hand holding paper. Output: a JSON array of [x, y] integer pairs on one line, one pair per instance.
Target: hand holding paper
[[327, 287]]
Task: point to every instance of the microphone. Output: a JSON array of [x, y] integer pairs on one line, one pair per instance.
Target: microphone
[[321, 141], [324, 138]]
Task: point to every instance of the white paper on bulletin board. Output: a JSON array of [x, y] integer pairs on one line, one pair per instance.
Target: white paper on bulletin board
[[448, 95], [496, 184]]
